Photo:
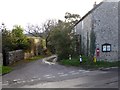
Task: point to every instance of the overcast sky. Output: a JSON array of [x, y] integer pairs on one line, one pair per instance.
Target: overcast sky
[[24, 12]]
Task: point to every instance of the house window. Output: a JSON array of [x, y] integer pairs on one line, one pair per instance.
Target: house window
[[106, 47]]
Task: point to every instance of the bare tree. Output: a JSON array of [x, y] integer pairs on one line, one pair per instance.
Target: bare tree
[[47, 28], [34, 30], [42, 31]]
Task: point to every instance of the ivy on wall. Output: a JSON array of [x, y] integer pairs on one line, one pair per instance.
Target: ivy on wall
[[92, 43]]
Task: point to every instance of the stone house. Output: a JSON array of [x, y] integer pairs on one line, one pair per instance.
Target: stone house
[[98, 32], [35, 47]]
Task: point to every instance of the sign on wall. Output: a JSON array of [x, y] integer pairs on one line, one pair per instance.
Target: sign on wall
[[106, 47]]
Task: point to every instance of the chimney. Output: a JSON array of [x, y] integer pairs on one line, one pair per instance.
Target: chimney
[[94, 4]]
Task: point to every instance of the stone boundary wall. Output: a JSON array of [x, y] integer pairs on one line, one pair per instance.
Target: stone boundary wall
[[14, 56], [28, 55]]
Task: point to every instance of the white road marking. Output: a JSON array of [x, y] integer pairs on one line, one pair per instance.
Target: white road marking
[[51, 77], [71, 71], [31, 80], [81, 70], [19, 82], [86, 71], [60, 73], [75, 73], [28, 81], [64, 75], [5, 84], [34, 77], [23, 81], [14, 80], [47, 75], [39, 78]]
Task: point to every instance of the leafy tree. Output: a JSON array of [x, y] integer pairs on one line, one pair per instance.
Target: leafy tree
[[71, 18], [62, 39], [15, 39], [20, 41], [58, 35]]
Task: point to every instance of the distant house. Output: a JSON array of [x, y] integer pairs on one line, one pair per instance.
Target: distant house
[[98, 31], [36, 46]]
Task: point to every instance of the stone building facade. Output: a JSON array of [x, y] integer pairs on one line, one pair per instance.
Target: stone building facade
[[99, 31]]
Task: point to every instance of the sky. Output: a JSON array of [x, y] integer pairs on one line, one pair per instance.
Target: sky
[[24, 12]]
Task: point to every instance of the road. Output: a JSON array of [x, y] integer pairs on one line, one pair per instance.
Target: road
[[39, 74]]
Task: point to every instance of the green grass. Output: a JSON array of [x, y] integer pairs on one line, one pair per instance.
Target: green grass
[[35, 58], [5, 69], [88, 64]]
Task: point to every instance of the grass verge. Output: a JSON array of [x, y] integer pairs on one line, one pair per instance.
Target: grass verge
[[89, 64], [5, 69]]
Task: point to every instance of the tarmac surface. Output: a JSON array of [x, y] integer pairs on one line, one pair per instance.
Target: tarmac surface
[[41, 74]]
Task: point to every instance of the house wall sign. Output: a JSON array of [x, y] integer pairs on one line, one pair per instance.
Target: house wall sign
[[106, 47]]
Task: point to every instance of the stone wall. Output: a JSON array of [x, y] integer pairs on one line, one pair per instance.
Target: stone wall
[[0, 48], [28, 55], [84, 28], [105, 22], [14, 56], [106, 28], [119, 31]]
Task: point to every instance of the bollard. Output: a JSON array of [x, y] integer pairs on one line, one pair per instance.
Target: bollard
[[69, 57], [94, 59], [80, 59]]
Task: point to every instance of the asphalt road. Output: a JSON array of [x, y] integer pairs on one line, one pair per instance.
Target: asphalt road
[[39, 74]]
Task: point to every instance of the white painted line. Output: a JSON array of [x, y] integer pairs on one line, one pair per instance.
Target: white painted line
[[46, 75], [14, 80], [23, 81], [5, 84], [60, 73], [86, 71], [75, 73], [39, 78], [34, 77], [64, 75], [81, 70], [28, 81], [71, 71], [19, 82], [31, 80], [51, 77]]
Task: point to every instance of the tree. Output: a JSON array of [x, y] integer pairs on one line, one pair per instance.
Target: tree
[[43, 31], [62, 39], [15, 39], [58, 35], [34, 30], [71, 18], [47, 28]]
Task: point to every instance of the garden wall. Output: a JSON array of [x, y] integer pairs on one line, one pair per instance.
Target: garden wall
[[14, 56]]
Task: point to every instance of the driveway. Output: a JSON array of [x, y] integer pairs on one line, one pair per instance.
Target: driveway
[[42, 75]]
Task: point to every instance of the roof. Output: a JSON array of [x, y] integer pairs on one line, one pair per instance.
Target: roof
[[88, 13]]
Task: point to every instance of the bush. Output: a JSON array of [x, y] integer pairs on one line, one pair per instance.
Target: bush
[[88, 63]]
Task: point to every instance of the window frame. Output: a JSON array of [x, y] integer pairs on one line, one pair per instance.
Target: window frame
[[106, 47]]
